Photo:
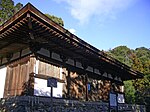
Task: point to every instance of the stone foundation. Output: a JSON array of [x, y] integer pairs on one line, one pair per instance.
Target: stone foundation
[[41, 104]]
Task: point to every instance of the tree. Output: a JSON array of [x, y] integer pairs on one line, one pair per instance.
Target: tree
[[18, 7], [136, 91], [56, 19], [129, 92], [7, 9], [123, 54], [142, 86]]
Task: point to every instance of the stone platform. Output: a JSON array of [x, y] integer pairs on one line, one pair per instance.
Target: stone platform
[[46, 104]]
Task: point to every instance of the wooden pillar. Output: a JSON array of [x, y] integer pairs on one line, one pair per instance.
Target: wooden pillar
[[85, 65], [30, 85], [86, 80], [68, 84], [51, 99], [64, 59]]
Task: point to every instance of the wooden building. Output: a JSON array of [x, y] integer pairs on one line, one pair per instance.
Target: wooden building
[[34, 48]]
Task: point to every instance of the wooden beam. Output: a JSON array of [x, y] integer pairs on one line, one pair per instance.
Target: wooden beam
[[43, 76]]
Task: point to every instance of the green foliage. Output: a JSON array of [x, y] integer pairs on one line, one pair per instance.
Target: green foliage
[[137, 91], [123, 54], [56, 19], [7, 10], [141, 62], [137, 64], [129, 92], [143, 54], [18, 7]]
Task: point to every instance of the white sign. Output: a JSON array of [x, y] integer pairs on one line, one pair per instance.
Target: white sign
[[121, 98]]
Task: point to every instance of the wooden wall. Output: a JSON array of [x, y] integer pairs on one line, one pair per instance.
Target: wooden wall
[[19, 82], [48, 69], [99, 90], [17, 77], [75, 87]]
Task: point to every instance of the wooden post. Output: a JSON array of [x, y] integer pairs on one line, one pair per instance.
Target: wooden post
[[85, 65], [68, 84], [51, 99], [51, 82], [86, 82], [112, 91]]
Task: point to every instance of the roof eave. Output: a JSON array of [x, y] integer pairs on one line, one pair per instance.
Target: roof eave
[[30, 9]]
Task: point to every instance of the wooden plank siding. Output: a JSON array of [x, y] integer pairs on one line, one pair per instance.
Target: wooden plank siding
[[7, 81], [18, 75], [18, 80], [75, 87], [78, 86], [49, 69]]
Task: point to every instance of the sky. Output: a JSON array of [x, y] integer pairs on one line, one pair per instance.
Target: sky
[[105, 24]]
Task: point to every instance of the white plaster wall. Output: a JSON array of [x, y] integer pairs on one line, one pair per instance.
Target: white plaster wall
[[70, 61], [79, 65], [44, 52], [40, 85], [2, 80], [56, 56], [57, 92], [97, 71], [89, 68], [15, 56], [41, 89], [4, 60], [25, 52]]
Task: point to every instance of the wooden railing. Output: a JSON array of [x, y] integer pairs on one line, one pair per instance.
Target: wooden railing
[[43, 104]]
